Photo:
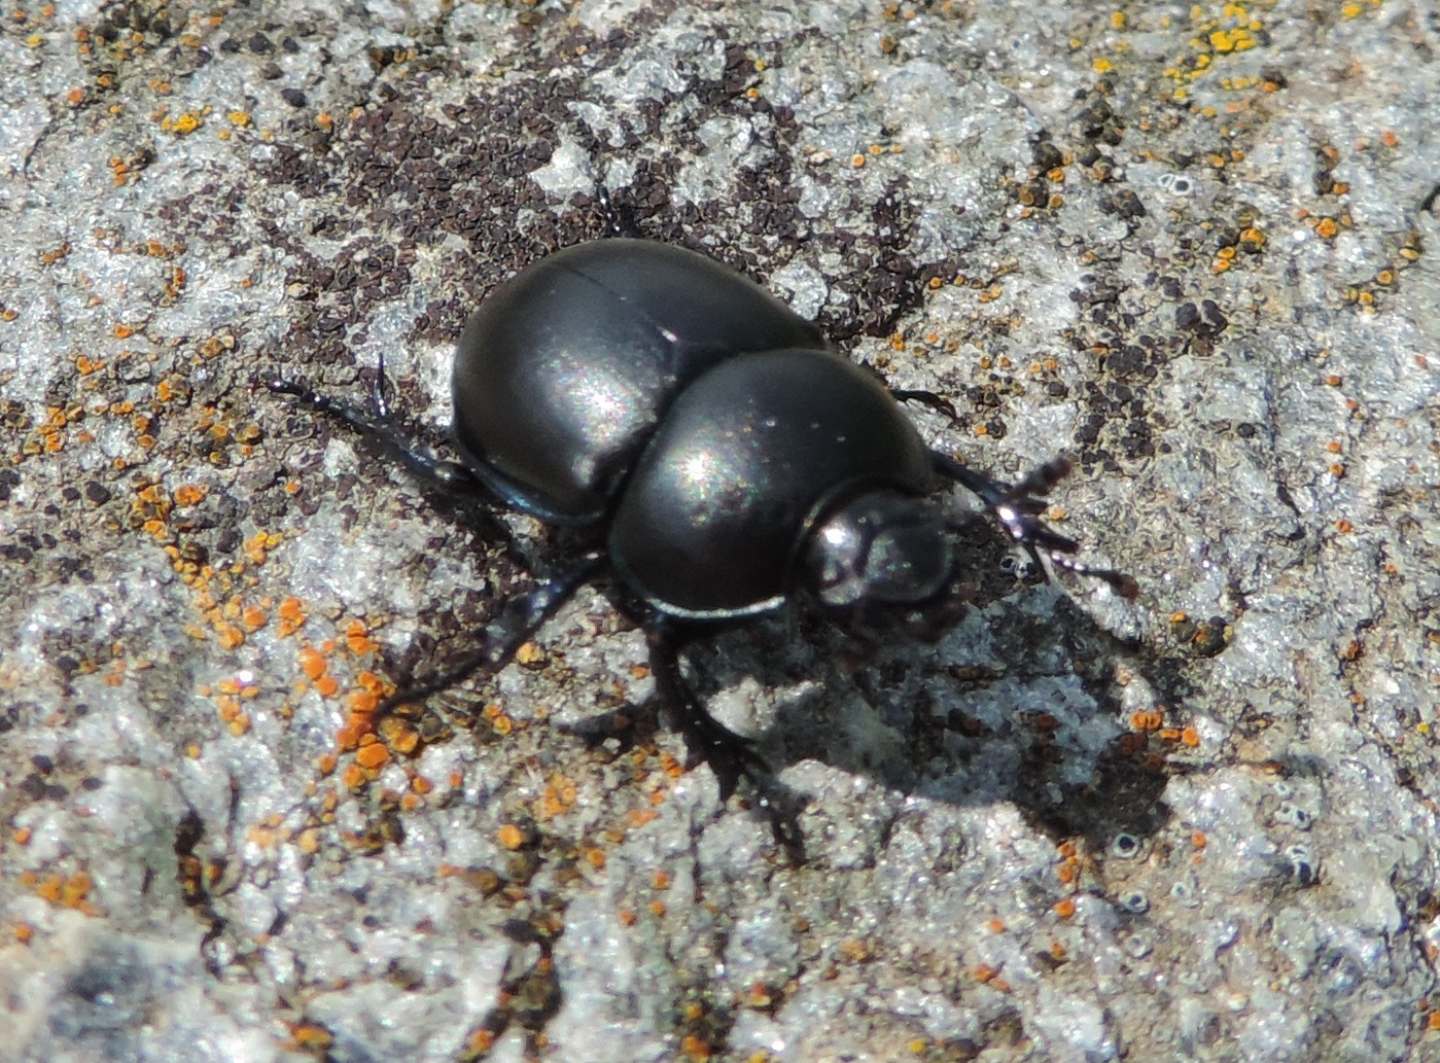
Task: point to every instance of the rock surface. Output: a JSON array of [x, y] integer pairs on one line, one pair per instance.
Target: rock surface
[[1191, 246]]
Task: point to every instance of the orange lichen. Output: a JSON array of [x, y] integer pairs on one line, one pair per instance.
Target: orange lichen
[[311, 1036], [189, 494], [401, 737], [1065, 908], [64, 891], [372, 755], [353, 776], [481, 1041], [1147, 720], [510, 836], [292, 615], [358, 640]]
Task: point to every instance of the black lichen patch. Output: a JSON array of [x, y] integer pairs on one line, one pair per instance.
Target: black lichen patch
[[392, 185]]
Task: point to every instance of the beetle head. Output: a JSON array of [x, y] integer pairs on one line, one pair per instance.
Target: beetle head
[[881, 549]]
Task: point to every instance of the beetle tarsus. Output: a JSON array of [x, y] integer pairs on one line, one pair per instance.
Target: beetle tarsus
[[1018, 507], [619, 221], [729, 755], [377, 391]]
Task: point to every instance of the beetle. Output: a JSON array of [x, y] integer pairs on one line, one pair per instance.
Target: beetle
[[719, 457]]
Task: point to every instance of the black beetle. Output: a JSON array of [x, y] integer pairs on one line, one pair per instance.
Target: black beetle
[[727, 458]]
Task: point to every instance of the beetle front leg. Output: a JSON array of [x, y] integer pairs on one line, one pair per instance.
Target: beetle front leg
[[1018, 507], [729, 755]]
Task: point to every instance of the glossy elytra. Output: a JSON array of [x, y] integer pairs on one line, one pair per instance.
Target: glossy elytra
[[718, 458]]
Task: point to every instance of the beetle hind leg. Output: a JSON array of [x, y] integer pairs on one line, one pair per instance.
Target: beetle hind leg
[[446, 476], [1018, 507], [938, 403]]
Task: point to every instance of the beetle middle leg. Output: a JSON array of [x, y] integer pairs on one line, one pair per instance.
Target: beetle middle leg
[[517, 623], [1018, 507]]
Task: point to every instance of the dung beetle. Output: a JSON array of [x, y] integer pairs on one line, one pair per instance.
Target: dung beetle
[[717, 456]]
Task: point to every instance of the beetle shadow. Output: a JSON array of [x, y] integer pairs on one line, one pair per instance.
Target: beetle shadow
[[1019, 701], [1017, 722]]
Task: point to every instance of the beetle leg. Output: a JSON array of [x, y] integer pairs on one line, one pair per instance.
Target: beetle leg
[[517, 623], [619, 220], [925, 398], [447, 476], [1018, 507], [729, 755]]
